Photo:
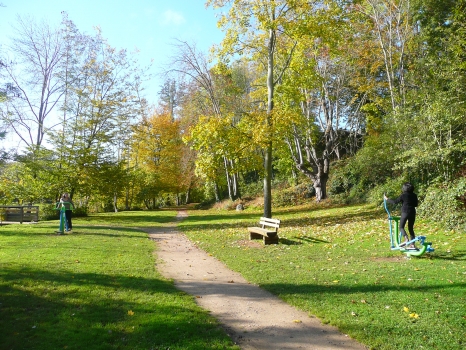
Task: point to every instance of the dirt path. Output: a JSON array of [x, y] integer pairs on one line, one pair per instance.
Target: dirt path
[[254, 318]]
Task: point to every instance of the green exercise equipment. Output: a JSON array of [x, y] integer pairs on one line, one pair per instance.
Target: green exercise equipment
[[396, 237], [63, 223]]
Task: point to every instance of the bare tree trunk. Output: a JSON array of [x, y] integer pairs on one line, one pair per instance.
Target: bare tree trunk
[[39, 52], [127, 199], [115, 202], [268, 149], [229, 180], [216, 192]]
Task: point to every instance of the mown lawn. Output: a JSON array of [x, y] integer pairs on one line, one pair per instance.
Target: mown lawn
[[96, 288], [336, 263]]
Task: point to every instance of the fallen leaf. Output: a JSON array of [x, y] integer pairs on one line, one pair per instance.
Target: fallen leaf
[[130, 312]]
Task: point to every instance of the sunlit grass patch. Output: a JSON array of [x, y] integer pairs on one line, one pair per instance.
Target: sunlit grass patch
[[95, 288], [336, 263]]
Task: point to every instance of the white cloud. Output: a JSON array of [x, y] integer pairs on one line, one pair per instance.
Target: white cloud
[[170, 17]]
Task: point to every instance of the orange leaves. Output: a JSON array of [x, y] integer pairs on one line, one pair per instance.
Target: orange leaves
[[160, 150]]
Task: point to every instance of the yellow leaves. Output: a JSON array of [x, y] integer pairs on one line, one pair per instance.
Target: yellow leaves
[[130, 313], [412, 315], [297, 321]]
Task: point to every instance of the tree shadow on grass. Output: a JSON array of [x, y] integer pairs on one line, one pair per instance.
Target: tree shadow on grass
[[312, 290], [123, 219], [333, 219], [54, 310], [453, 255], [83, 230], [302, 240], [243, 220]]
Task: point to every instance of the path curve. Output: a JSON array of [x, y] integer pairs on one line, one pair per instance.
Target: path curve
[[252, 317]]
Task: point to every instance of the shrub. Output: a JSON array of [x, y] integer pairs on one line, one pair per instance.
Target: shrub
[[253, 189], [391, 187], [293, 195], [48, 212], [80, 212], [227, 204], [444, 203]]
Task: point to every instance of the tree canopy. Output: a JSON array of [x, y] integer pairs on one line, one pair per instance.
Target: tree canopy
[[348, 98]]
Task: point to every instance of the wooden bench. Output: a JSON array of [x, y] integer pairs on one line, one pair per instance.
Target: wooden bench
[[19, 213], [268, 231]]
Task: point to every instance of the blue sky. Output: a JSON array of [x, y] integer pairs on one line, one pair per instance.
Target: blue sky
[[148, 25]]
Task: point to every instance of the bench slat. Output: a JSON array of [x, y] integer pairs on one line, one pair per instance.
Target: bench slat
[[262, 231], [263, 223], [275, 221]]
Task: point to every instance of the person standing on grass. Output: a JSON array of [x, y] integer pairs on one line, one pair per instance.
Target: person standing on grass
[[65, 200], [408, 211]]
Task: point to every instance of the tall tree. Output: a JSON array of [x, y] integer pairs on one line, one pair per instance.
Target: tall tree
[[170, 95], [102, 102], [159, 148], [257, 29], [318, 106], [392, 28], [435, 146], [210, 92], [37, 51]]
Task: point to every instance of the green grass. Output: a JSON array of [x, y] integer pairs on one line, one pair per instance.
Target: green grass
[[96, 288], [336, 263]]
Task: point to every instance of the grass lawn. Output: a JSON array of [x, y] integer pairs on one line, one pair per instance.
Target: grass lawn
[[336, 263], [96, 288]]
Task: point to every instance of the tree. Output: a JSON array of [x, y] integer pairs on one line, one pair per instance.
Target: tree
[[392, 28], [259, 29], [159, 151], [33, 71], [209, 89], [171, 94], [102, 103], [435, 145], [317, 104]]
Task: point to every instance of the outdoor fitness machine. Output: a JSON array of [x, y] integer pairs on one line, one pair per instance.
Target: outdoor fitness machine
[[63, 224], [395, 237]]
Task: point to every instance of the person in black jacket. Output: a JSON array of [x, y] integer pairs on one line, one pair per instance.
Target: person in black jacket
[[408, 211]]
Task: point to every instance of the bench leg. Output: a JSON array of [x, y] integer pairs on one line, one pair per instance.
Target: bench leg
[[271, 240], [253, 235]]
